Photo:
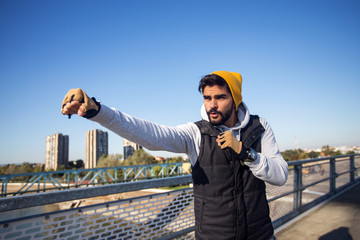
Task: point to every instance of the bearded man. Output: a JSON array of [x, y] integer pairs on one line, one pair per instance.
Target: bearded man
[[232, 153]]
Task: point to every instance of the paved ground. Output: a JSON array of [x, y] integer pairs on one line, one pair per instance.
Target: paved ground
[[337, 219]]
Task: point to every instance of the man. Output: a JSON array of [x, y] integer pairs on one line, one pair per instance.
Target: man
[[232, 154]]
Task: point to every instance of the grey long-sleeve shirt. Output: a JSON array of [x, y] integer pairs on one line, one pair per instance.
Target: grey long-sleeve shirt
[[186, 138]]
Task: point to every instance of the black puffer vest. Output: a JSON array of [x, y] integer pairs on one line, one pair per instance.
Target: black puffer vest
[[230, 202]]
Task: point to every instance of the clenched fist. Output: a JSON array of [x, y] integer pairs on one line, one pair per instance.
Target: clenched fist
[[77, 102], [226, 140]]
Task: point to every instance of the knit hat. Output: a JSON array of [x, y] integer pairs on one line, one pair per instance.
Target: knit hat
[[234, 80]]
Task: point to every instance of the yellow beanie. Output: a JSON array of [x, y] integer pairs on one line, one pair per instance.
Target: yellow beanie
[[234, 80]]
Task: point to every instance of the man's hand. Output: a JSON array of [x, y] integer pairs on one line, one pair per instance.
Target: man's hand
[[77, 102], [226, 140]]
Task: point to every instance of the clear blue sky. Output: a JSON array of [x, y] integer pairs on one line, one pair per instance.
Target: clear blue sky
[[299, 61]]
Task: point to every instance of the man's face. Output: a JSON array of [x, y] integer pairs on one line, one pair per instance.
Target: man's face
[[219, 106]]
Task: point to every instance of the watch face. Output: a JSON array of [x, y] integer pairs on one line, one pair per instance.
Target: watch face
[[252, 155]]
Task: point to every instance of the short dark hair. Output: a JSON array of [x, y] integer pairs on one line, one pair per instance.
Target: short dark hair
[[211, 80]]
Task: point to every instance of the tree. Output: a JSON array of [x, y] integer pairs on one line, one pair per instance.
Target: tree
[[174, 159], [291, 155], [61, 167], [313, 154], [327, 150], [76, 164], [39, 168], [18, 169], [11, 169], [111, 160], [336, 153], [25, 167], [140, 157]]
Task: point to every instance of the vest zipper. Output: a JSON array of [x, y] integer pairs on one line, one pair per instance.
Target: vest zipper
[[201, 213], [235, 200]]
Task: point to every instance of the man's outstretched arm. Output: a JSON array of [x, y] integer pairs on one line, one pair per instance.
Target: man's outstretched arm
[[180, 139]]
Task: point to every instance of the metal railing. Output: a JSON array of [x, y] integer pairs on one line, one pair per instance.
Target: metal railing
[[310, 182], [18, 184], [165, 215]]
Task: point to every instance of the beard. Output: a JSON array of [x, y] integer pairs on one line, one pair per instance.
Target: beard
[[223, 116]]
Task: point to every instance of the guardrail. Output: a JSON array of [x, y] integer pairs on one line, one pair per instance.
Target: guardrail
[[310, 182], [18, 184], [165, 215]]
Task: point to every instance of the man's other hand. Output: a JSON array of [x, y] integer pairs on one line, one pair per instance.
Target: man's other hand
[[226, 140]]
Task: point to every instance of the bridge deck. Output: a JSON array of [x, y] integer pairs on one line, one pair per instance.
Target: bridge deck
[[338, 218]]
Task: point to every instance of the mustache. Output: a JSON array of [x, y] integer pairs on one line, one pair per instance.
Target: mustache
[[213, 111]]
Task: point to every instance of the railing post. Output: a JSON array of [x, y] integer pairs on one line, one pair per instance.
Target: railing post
[[297, 186], [44, 184], [352, 169], [4, 187], [76, 181], [333, 176]]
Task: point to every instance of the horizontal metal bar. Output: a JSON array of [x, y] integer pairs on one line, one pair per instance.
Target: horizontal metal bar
[[314, 183], [32, 200], [337, 158], [177, 234], [281, 196], [346, 172]]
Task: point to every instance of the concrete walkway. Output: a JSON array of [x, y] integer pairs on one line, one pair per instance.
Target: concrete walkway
[[338, 218]]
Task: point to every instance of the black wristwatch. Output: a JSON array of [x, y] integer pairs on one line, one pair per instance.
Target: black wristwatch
[[252, 154]]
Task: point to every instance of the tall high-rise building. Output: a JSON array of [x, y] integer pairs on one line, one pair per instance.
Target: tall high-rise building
[[57, 151], [96, 146], [130, 148]]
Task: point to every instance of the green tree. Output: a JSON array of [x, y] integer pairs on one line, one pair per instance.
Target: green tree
[[11, 169], [174, 159], [39, 168], [157, 170], [140, 157], [61, 167], [111, 160], [25, 168], [76, 164], [313, 154], [336, 153], [327, 150], [291, 155]]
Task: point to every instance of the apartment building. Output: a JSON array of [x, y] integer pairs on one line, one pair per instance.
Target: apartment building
[[130, 148], [57, 151], [96, 145]]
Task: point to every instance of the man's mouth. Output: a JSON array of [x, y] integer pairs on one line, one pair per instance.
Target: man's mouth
[[214, 114]]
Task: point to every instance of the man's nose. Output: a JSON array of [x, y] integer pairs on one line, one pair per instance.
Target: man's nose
[[213, 104]]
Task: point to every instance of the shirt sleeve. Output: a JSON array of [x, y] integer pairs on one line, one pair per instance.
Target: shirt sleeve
[[269, 166], [180, 139]]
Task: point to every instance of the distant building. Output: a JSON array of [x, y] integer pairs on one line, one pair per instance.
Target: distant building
[[57, 151], [130, 148], [96, 146]]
